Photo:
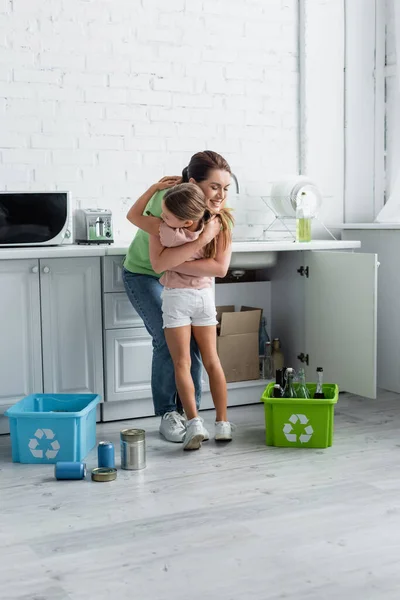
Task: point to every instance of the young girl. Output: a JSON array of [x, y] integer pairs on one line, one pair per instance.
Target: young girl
[[188, 304]]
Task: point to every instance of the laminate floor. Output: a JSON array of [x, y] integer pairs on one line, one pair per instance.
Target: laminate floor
[[240, 521]]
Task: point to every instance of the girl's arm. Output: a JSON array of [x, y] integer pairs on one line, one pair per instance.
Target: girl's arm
[[208, 267], [166, 259], [135, 214]]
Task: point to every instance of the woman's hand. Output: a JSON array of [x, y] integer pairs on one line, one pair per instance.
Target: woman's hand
[[210, 231], [167, 182]]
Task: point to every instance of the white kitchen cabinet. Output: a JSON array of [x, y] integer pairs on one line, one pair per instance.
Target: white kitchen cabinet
[[326, 314], [127, 348], [51, 328], [21, 338], [384, 238], [71, 325]]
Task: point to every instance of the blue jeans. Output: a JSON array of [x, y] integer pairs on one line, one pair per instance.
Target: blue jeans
[[144, 293]]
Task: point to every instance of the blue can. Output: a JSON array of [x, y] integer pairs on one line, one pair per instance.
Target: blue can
[[70, 470], [106, 455]]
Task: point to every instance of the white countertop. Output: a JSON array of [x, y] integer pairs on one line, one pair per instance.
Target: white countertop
[[118, 248], [370, 226]]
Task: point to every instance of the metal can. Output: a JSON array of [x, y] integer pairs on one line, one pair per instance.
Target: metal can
[[105, 455], [104, 474], [70, 470], [133, 449]]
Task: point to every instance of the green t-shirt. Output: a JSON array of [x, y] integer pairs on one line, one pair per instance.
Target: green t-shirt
[[137, 259]]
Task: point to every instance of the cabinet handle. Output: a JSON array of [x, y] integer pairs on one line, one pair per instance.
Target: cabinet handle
[[46, 270], [35, 269]]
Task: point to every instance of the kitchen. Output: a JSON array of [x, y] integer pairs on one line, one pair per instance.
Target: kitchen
[[98, 101]]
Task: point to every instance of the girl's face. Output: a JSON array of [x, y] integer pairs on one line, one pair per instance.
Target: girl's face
[[215, 188], [171, 220]]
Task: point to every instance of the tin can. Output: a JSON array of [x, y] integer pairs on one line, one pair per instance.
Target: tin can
[[104, 474], [105, 455], [70, 470], [133, 449]]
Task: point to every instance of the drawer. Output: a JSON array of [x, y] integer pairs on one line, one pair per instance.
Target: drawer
[[112, 273], [118, 312]]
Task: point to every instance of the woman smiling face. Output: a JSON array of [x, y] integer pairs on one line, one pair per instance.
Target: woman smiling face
[[215, 188]]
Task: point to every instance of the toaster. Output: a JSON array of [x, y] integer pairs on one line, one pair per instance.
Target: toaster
[[93, 226]]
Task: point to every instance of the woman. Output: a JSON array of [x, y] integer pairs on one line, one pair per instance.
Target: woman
[[212, 174]]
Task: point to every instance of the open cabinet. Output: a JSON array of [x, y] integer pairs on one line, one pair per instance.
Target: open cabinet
[[324, 309]]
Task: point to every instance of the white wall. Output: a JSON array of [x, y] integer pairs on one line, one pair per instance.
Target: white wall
[[322, 37], [102, 98], [392, 100]]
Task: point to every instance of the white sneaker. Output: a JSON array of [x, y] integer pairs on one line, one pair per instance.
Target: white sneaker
[[205, 431], [223, 431], [194, 434], [172, 427]]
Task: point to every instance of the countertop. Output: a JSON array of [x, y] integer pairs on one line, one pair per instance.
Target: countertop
[[119, 248], [375, 226]]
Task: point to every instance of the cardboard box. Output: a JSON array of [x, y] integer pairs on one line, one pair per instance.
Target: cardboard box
[[237, 342]]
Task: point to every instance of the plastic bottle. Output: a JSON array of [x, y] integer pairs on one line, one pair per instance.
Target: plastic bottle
[[301, 390], [289, 391], [303, 219]]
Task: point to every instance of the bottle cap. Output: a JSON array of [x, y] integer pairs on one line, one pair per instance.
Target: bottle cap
[[320, 370]]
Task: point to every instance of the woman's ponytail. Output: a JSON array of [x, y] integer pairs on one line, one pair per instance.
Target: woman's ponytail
[[185, 175]]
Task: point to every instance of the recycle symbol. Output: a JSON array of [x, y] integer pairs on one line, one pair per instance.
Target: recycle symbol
[[293, 437], [53, 448]]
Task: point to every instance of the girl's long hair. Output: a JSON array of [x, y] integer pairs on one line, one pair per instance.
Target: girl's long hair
[[187, 202]]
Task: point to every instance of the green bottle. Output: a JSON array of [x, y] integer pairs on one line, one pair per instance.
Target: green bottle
[[302, 391]]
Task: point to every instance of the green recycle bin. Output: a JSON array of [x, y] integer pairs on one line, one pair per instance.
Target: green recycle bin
[[300, 422]]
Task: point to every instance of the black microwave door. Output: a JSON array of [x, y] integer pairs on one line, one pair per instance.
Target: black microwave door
[[32, 218]]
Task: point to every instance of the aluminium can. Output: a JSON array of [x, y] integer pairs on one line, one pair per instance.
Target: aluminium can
[[106, 455], [70, 470], [133, 449]]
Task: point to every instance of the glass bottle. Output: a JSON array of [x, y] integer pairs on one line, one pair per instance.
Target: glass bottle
[[319, 392], [303, 220], [302, 391], [280, 377], [278, 391], [289, 391], [268, 367], [263, 336], [277, 354]]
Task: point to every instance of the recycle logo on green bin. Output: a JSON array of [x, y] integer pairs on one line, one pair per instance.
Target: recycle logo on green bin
[[297, 429]]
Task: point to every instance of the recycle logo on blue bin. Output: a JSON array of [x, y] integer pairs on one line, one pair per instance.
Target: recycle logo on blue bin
[[44, 444], [306, 430]]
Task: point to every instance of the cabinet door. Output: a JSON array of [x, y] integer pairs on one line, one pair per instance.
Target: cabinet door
[[128, 364], [341, 318], [20, 339], [72, 325]]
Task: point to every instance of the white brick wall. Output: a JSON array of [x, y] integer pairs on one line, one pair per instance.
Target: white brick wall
[[105, 97]]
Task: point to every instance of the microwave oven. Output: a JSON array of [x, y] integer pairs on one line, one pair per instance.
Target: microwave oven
[[35, 219]]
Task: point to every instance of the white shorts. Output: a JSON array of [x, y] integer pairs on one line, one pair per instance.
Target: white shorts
[[188, 306]]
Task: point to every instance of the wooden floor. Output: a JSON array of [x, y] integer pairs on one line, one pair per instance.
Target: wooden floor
[[237, 522]]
